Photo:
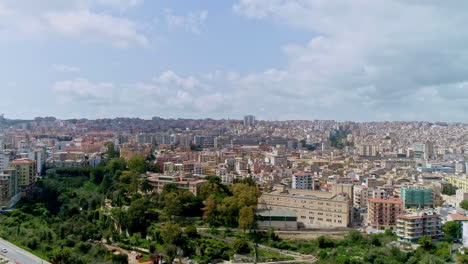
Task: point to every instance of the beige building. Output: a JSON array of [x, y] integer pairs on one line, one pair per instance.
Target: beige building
[[460, 182], [26, 173], [368, 150], [412, 226], [460, 195], [157, 181], [313, 208]]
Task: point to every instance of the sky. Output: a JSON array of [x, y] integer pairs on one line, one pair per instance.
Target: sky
[[361, 60]]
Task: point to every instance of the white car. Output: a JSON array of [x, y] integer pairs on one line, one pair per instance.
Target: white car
[[4, 250]]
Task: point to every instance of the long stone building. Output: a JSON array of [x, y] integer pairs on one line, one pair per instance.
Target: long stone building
[[313, 208]]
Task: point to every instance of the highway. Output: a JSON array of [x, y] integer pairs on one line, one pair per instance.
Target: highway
[[19, 255]]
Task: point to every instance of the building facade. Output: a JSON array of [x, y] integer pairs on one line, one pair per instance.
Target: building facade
[[157, 181], [412, 226], [460, 182], [26, 173], [313, 208], [304, 181], [382, 213]]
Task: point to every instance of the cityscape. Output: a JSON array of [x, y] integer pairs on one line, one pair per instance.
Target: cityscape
[[233, 132], [403, 182]]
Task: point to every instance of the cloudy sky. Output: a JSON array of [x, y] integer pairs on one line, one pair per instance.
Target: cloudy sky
[[277, 59]]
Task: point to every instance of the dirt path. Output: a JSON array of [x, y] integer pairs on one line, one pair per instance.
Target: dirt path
[[131, 256]]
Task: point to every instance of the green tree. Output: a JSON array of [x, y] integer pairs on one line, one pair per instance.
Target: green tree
[[137, 164], [209, 211], [139, 216], [169, 188], [111, 152], [97, 175], [172, 204], [451, 230], [145, 185], [171, 233], [464, 204], [449, 189], [426, 243], [57, 256], [116, 164], [246, 217]]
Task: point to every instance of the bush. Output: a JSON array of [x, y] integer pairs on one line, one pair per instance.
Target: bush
[[84, 247], [325, 242], [426, 243], [191, 231], [120, 259], [241, 246]]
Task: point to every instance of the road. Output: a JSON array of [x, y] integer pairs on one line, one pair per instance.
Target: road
[[19, 255]]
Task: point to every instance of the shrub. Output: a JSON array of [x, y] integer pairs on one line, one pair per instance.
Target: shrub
[[241, 246]]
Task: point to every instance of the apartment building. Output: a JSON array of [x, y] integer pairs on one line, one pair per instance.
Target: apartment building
[[368, 150], [9, 189], [305, 181], [313, 208], [382, 213], [128, 151], [460, 181], [26, 173], [4, 160], [412, 226]]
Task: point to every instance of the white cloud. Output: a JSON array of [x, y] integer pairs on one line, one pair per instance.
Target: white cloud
[[65, 68], [88, 26], [368, 59], [84, 91], [192, 21], [120, 4], [75, 19], [171, 78], [365, 60]]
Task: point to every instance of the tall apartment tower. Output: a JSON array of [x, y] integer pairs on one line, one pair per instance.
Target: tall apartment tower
[[249, 120], [368, 150], [428, 150]]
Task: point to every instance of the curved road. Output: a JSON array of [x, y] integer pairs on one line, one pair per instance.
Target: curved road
[[19, 255]]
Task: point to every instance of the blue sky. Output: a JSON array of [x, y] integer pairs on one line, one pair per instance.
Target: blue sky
[[296, 59]]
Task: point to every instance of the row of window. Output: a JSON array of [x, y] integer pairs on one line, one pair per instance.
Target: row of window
[[311, 218]]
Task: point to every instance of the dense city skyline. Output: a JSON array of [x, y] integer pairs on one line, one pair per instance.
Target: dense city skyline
[[301, 59]]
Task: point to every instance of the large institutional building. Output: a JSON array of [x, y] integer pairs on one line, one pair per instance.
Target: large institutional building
[[313, 208]]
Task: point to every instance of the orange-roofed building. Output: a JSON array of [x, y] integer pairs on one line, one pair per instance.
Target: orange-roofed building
[[382, 213]]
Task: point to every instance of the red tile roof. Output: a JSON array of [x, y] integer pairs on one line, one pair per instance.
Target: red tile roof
[[458, 217], [22, 162]]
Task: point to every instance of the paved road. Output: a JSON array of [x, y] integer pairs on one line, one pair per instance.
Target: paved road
[[19, 255]]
